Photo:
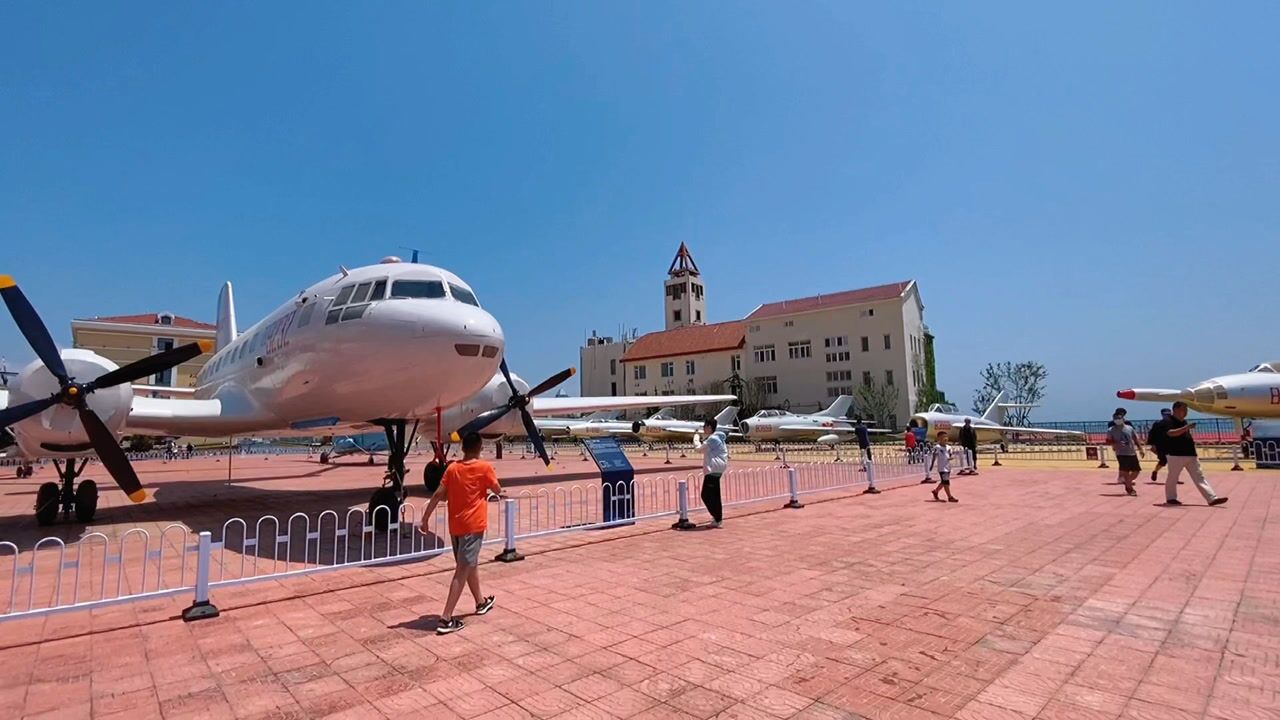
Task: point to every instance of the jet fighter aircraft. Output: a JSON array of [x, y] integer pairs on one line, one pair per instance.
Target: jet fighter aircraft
[[1254, 394]]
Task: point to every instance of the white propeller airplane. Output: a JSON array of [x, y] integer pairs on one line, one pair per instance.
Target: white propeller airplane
[[556, 427], [1254, 394], [989, 425], [391, 346], [828, 427], [662, 427]]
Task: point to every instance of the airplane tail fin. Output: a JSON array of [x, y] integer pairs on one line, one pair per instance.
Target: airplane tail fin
[[839, 408], [226, 318], [727, 416], [995, 412]]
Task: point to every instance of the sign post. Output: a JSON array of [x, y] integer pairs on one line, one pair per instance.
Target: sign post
[[616, 478]]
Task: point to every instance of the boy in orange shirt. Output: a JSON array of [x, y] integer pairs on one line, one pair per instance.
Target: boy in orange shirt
[[465, 488]]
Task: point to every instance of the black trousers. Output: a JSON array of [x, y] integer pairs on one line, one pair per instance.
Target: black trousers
[[711, 496]]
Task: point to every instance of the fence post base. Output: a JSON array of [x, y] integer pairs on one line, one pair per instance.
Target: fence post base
[[508, 556], [997, 462], [793, 505], [200, 611], [683, 524]]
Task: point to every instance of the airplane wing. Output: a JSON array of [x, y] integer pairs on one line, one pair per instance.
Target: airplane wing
[[1155, 395], [1028, 430], [831, 430], [556, 405]]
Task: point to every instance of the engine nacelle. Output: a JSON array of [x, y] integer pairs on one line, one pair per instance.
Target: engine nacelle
[[637, 427], [57, 432]]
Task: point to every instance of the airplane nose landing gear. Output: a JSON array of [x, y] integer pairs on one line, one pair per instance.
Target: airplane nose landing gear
[[82, 500], [384, 506]]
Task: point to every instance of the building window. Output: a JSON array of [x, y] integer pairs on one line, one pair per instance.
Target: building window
[[866, 378], [613, 389], [888, 377], [613, 366], [688, 367], [668, 369], [789, 323], [770, 384], [888, 342], [735, 362], [697, 316], [866, 344], [836, 342], [840, 376], [868, 313], [842, 356], [838, 390], [697, 291], [754, 329], [675, 315], [166, 319], [764, 353], [799, 350], [639, 373]]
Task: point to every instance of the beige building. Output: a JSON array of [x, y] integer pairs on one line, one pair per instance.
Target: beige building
[[125, 338], [798, 354]]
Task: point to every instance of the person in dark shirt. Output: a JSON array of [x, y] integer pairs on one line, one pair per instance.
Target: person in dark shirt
[[1155, 439], [1181, 449], [864, 438], [969, 441]]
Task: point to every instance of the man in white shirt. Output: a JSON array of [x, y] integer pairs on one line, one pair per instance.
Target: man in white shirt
[[940, 457], [715, 461]]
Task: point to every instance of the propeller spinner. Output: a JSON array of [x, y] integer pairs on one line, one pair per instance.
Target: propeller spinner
[[75, 395]]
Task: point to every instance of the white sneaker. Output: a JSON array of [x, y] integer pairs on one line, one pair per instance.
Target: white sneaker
[[713, 524]]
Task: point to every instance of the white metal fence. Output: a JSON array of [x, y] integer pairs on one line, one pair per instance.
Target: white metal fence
[[97, 571]]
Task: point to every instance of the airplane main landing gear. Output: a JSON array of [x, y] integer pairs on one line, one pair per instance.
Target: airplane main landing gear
[[384, 506], [82, 500], [25, 470]]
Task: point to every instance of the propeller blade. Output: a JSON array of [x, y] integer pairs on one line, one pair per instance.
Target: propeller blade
[[552, 381], [112, 457], [150, 365], [18, 413], [507, 374], [480, 422], [32, 328], [535, 437]]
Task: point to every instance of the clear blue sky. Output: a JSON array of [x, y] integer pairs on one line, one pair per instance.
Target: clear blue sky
[[1094, 187]]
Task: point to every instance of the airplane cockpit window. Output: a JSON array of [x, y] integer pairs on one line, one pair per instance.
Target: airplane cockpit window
[[1263, 368], [379, 290], [430, 289], [343, 295], [332, 316], [353, 312], [463, 294], [361, 293]]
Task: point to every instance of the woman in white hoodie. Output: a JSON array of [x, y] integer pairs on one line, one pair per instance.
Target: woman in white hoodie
[[715, 461]]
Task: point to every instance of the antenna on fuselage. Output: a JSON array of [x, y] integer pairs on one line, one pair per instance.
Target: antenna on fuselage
[[415, 251]]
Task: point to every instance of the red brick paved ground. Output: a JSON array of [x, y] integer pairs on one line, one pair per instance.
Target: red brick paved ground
[[1040, 595]]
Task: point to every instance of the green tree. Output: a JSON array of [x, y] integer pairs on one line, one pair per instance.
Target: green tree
[[1023, 383], [877, 401]]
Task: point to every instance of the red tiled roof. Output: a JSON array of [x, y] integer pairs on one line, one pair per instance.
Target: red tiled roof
[[152, 319], [688, 340], [828, 302]]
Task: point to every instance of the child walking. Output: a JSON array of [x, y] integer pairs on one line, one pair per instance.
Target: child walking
[[940, 457]]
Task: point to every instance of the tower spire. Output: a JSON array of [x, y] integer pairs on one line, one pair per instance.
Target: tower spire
[[682, 264]]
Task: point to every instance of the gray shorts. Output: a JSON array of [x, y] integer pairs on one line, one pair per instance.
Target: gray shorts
[[466, 549]]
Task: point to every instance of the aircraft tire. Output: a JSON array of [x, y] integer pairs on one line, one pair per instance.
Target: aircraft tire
[[86, 501], [371, 459], [47, 504], [384, 498], [432, 474], [324, 458]]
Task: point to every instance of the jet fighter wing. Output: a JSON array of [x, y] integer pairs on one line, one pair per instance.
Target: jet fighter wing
[[1155, 395], [830, 430], [1026, 430], [555, 405]]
